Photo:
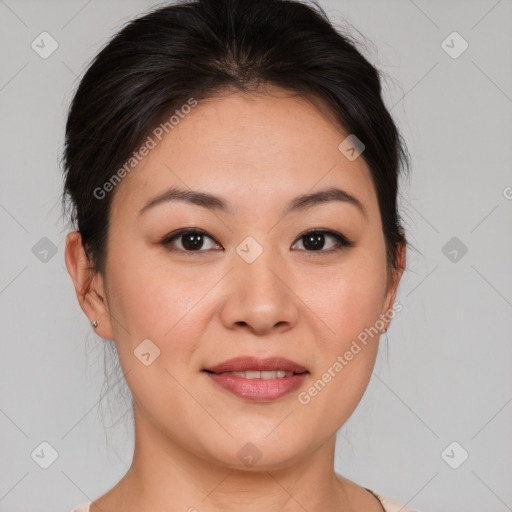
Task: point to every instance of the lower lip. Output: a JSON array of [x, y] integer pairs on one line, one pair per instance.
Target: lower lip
[[258, 390]]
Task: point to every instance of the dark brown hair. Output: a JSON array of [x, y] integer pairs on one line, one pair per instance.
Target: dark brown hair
[[194, 49]]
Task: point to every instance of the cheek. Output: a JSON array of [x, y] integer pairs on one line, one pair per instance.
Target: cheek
[[168, 305], [154, 297], [350, 306], [349, 299]]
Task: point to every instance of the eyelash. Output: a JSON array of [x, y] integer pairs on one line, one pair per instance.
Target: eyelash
[[342, 241]]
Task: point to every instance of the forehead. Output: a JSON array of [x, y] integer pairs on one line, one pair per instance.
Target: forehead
[[260, 148]]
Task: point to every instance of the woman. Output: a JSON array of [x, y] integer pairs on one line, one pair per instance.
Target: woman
[[232, 175]]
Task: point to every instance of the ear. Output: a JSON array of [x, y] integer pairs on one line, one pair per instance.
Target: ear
[[89, 285], [394, 276]]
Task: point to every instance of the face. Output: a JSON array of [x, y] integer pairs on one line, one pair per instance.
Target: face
[[265, 276]]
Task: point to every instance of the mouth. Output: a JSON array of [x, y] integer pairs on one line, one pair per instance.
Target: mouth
[[258, 380], [251, 364], [264, 374]]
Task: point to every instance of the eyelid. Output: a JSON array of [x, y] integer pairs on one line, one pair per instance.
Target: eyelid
[[342, 240], [167, 240]]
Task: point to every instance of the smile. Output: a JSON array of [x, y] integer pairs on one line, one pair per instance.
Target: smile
[[258, 380]]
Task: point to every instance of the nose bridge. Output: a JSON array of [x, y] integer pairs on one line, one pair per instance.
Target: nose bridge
[[260, 295], [258, 264], [261, 274]]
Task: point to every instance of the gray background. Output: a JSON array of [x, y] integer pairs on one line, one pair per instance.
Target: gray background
[[444, 369]]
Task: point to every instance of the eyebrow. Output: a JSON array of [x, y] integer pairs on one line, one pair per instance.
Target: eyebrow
[[213, 202]]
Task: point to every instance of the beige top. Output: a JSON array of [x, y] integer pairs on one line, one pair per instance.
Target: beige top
[[388, 505]]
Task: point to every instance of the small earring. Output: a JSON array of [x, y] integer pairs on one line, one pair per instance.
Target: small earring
[[94, 324], [383, 331]]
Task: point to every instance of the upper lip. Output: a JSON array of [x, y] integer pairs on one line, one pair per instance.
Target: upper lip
[[251, 363]]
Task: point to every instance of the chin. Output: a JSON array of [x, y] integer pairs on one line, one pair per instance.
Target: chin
[[257, 452]]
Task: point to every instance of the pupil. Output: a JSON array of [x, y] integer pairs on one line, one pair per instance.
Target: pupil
[[196, 238], [314, 241]]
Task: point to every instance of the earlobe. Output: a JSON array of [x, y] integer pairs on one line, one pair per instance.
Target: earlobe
[[88, 285]]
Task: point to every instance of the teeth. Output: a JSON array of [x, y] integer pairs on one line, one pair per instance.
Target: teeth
[[265, 375]]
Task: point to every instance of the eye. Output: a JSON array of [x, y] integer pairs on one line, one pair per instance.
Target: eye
[[314, 241], [191, 240]]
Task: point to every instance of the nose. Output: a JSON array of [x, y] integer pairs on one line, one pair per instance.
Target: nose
[[260, 296]]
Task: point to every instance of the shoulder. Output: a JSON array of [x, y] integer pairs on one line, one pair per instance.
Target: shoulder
[[82, 508], [388, 504], [391, 505]]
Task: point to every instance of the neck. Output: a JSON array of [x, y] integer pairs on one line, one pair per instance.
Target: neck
[[167, 475]]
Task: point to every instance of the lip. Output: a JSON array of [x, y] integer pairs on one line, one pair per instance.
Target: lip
[[257, 390], [248, 363]]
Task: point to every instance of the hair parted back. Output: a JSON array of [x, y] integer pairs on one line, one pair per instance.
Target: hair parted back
[[195, 49]]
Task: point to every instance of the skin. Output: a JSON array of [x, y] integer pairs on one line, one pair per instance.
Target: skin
[[258, 152]]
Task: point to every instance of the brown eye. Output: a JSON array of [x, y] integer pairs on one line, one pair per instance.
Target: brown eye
[[194, 240], [190, 240], [315, 241]]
